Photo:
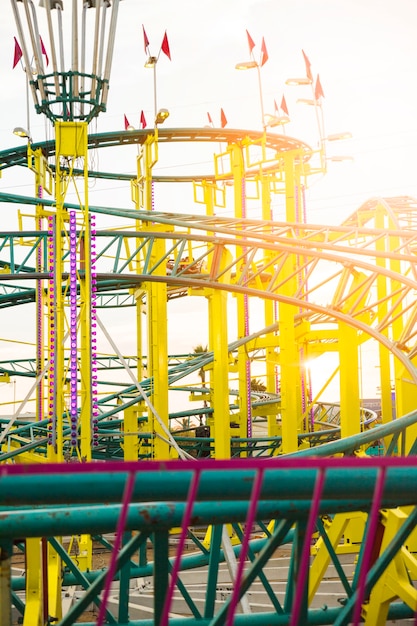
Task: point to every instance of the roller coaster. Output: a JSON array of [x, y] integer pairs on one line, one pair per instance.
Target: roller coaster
[[221, 463]]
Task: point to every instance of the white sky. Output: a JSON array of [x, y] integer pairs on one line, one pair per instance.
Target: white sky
[[364, 50]]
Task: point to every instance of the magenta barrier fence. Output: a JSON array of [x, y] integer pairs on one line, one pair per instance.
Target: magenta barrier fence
[[281, 462], [322, 465]]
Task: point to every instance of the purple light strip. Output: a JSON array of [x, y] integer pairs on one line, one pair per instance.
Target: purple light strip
[[93, 301], [305, 555], [52, 332], [246, 331], [73, 328], [40, 321], [250, 518], [192, 492], [127, 496]]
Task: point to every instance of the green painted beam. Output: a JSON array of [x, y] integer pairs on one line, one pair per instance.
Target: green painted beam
[[356, 480]]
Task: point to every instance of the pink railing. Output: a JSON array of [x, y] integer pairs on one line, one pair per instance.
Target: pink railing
[[322, 465]]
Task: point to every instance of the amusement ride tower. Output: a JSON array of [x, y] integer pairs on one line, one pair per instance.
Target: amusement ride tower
[[321, 289], [71, 97]]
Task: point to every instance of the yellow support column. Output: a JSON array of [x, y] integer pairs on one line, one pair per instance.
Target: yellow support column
[[405, 388], [57, 316], [219, 381], [384, 355], [156, 309], [270, 315], [242, 301], [54, 584], [85, 312], [130, 431], [37, 163], [396, 580], [138, 198], [290, 379], [349, 381], [158, 365], [6, 584], [72, 143], [34, 597]]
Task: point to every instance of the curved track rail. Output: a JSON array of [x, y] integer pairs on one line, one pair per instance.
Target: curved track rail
[[359, 277]]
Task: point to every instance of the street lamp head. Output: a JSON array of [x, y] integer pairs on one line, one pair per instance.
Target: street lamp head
[[276, 120], [308, 101], [161, 116], [298, 81], [339, 136], [22, 132], [246, 65], [151, 62], [339, 158]]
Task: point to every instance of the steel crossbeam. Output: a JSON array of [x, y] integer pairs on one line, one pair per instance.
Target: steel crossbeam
[[162, 495]]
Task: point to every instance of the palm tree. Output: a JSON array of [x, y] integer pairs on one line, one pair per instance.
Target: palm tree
[[200, 349], [257, 385]]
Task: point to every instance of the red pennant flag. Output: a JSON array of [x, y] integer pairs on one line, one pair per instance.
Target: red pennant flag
[[251, 43], [17, 53], [318, 90], [308, 66], [145, 40], [275, 106], [223, 120], [165, 46], [127, 125], [43, 50], [284, 107], [142, 119], [264, 57], [209, 119]]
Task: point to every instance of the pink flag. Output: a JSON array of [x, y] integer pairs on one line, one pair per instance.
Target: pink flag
[[251, 43], [145, 40], [17, 53], [318, 90], [223, 120], [127, 125], [165, 46], [308, 66], [43, 50], [142, 119], [284, 107], [264, 57], [209, 119], [275, 106]]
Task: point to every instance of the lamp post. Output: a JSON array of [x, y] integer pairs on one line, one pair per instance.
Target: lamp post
[[249, 65], [151, 64], [316, 103]]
